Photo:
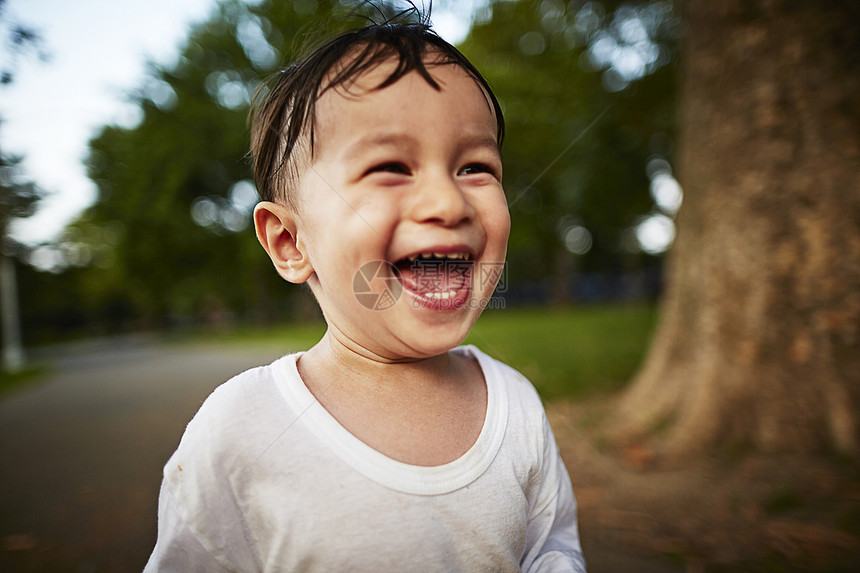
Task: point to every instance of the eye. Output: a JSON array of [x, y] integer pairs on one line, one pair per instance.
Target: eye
[[476, 168], [390, 167]]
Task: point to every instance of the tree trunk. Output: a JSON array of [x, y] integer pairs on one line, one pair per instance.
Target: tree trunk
[[13, 352], [758, 339]]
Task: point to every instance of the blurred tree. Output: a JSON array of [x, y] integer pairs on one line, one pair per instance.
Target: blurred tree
[[758, 343], [588, 93], [176, 187], [18, 198], [19, 39]]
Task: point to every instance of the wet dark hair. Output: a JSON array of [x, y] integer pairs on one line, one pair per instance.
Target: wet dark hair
[[288, 111]]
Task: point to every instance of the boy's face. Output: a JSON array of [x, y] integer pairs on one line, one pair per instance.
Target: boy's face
[[399, 173]]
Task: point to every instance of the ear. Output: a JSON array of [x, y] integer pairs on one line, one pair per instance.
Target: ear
[[276, 230]]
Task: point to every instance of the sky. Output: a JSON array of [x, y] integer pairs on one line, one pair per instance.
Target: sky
[[97, 51]]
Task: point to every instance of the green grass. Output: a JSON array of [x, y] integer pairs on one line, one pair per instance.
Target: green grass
[[291, 337], [565, 352], [569, 352], [10, 382]]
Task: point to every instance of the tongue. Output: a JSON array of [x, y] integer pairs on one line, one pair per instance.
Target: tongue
[[435, 276]]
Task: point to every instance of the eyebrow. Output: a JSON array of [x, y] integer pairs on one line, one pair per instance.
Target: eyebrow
[[403, 139], [483, 141], [378, 140]]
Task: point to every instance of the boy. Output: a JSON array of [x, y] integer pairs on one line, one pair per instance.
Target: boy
[[385, 447]]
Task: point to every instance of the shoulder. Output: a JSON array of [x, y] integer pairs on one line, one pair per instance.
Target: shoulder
[[235, 420], [217, 454], [243, 394], [207, 479]]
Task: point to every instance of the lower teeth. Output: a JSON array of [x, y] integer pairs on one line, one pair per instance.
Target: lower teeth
[[440, 295]]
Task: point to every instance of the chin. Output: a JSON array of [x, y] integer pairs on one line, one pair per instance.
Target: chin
[[434, 341]]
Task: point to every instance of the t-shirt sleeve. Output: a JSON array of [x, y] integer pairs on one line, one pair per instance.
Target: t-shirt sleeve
[[552, 533], [179, 547], [201, 522]]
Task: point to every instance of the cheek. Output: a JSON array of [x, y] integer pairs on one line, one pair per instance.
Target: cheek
[[379, 212], [505, 222], [498, 225]]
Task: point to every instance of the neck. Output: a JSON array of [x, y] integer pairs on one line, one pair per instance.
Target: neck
[[336, 355]]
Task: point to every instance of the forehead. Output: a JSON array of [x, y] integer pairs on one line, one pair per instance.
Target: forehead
[[360, 105]]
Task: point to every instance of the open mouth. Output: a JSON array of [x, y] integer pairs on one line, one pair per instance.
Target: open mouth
[[440, 281]]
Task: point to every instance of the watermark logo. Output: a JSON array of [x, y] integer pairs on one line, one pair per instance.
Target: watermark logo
[[376, 285], [440, 276], [493, 274]]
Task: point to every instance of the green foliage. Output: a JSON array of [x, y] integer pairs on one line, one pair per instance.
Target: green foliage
[[568, 352], [170, 239], [178, 183], [575, 154], [18, 198]]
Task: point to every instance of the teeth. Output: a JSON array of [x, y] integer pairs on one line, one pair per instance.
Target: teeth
[[440, 295], [432, 255]]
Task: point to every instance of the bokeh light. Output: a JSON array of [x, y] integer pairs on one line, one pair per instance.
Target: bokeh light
[[655, 233], [577, 240]]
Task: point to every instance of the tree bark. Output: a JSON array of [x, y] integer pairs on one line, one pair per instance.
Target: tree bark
[[758, 339]]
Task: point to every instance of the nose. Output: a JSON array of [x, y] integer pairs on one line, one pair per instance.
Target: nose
[[439, 199]]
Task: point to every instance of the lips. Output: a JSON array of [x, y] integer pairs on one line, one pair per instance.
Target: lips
[[437, 280]]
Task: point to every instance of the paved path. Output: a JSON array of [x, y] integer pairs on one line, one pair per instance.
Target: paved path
[[82, 451], [81, 455]]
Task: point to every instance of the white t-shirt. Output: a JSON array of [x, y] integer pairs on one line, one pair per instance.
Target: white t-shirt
[[265, 479]]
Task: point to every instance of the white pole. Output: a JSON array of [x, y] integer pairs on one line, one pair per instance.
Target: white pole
[[13, 353]]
